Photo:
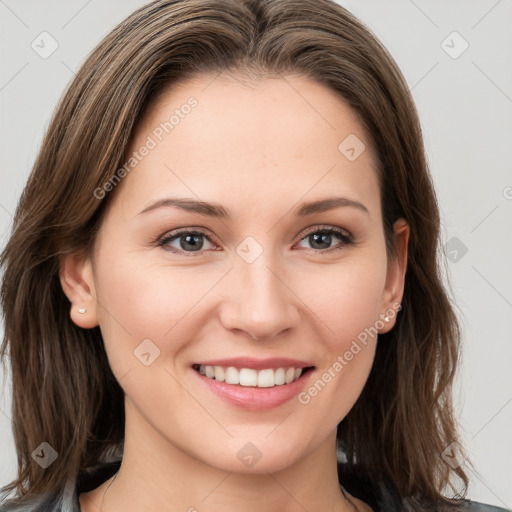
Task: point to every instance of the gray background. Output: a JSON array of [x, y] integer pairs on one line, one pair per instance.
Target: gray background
[[465, 104]]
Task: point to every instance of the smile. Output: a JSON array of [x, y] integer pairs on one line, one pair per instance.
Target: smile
[[249, 377], [254, 384]]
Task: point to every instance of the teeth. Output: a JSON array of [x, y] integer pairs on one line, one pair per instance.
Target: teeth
[[279, 378], [248, 377], [232, 376], [219, 373], [266, 378]]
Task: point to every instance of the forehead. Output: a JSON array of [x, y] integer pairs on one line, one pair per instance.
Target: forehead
[[244, 142]]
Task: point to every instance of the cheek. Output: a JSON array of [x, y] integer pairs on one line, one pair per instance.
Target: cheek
[[347, 302], [348, 305], [346, 298], [142, 296], [141, 301]]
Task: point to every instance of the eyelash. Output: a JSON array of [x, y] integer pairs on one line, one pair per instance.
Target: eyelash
[[344, 236]]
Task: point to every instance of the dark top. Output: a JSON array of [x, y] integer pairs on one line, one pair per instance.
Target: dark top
[[381, 497]]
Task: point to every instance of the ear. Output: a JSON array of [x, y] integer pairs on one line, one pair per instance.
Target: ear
[[76, 278], [395, 278]]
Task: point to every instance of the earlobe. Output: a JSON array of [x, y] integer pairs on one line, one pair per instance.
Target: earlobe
[[395, 279], [76, 278]]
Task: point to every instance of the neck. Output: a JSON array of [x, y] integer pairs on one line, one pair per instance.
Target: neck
[[157, 475]]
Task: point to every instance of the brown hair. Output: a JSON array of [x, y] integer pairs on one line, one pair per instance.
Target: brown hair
[[64, 392]]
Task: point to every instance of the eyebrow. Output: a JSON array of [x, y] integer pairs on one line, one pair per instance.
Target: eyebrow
[[218, 211]]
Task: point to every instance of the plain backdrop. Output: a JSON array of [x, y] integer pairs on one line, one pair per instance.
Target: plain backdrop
[[457, 58]]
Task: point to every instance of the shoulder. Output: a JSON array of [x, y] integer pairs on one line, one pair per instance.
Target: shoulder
[[383, 496], [50, 502], [47, 503], [474, 506], [463, 506], [67, 500]]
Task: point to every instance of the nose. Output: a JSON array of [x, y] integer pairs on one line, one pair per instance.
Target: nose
[[258, 300]]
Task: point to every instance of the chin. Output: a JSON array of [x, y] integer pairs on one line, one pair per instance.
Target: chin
[[254, 457]]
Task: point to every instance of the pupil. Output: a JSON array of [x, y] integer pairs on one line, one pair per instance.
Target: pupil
[[192, 241], [325, 236]]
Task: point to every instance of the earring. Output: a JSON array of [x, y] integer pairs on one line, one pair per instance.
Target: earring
[[386, 318], [82, 310]]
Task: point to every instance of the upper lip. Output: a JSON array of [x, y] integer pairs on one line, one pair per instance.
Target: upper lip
[[257, 364]]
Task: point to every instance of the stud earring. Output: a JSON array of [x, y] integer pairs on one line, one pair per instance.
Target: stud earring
[[386, 318], [82, 310]]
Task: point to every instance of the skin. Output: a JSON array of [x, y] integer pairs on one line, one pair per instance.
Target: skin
[[259, 148]]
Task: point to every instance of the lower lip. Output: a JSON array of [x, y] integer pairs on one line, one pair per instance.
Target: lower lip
[[253, 398]]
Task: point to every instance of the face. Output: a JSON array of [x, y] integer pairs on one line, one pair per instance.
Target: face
[[266, 277]]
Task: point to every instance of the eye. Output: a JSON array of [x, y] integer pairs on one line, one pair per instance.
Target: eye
[[187, 240], [322, 237]]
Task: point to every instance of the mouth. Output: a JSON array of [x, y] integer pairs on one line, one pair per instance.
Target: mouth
[[251, 377], [254, 384]]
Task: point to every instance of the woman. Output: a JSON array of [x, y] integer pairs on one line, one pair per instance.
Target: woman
[[221, 290]]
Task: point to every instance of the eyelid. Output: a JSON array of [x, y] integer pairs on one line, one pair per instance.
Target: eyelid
[[176, 233], [327, 227]]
